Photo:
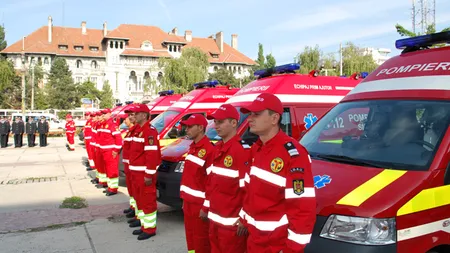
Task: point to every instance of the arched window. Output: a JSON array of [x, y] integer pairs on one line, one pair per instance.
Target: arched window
[[39, 61], [46, 61], [117, 44], [79, 64], [179, 49], [111, 44], [133, 81], [121, 45], [215, 68], [160, 78], [234, 70], [170, 48], [94, 64], [239, 70]]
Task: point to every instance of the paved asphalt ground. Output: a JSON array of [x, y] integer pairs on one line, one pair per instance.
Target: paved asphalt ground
[[35, 181]]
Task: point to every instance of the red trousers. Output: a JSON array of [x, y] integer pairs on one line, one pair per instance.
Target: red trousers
[[197, 230], [111, 165], [268, 242], [71, 140], [225, 240], [100, 165], [145, 197], [129, 182], [90, 153]]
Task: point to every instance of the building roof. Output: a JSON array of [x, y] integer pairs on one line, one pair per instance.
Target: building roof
[[134, 35]]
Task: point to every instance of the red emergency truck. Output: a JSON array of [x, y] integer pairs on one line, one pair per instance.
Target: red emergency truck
[[382, 178], [204, 99], [166, 99], [305, 98]]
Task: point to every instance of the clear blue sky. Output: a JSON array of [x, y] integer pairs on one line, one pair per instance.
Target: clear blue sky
[[283, 27]]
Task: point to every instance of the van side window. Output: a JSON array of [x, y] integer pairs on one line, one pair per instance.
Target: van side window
[[179, 130], [285, 125]]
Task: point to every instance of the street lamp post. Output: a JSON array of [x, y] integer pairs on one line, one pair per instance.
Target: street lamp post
[[23, 76]]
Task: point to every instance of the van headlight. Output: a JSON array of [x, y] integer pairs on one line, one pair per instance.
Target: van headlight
[[367, 231], [180, 167]]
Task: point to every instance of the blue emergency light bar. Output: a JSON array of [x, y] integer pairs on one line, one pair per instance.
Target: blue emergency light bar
[[364, 74], [423, 41], [128, 102], [119, 104], [166, 92], [287, 68], [212, 83]]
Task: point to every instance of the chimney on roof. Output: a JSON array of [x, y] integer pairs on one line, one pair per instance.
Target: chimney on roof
[[188, 35], [174, 31], [50, 28], [83, 27], [234, 41], [219, 41], [105, 29]]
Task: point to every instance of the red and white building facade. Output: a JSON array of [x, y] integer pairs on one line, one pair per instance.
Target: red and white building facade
[[125, 57]]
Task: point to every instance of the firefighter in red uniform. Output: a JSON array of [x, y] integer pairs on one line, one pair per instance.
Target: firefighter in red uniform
[[100, 163], [193, 182], [226, 189], [87, 140], [70, 132], [94, 124], [280, 206], [144, 157], [131, 211], [110, 143]]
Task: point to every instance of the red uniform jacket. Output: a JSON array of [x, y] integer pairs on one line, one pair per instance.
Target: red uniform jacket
[[280, 195], [225, 189], [95, 126], [88, 130], [70, 127], [127, 143], [145, 152], [193, 180], [108, 136]]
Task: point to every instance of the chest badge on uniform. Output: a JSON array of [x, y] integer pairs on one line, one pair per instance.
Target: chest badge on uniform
[[106, 126], [202, 153], [276, 165], [299, 188], [228, 161], [150, 140]]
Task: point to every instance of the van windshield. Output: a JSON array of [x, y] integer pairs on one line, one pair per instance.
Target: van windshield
[[211, 133], [164, 119], [394, 134]]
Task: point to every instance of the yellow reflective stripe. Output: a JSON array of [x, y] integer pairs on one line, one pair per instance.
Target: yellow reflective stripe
[[191, 251], [333, 141], [165, 142], [371, 187], [427, 199]]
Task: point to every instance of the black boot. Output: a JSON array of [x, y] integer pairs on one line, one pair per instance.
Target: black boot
[[89, 169], [135, 224], [145, 236], [131, 214], [131, 220], [101, 186], [137, 232], [108, 193], [128, 210]]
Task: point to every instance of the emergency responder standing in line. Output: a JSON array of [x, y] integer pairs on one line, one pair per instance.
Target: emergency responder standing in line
[[280, 180], [4, 131], [87, 132], [110, 143], [18, 128], [99, 163], [30, 129], [43, 129], [70, 132], [9, 123], [131, 211], [94, 148], [193, 184], [226, 189], [144, 157]]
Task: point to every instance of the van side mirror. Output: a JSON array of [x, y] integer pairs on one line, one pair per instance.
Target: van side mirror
[[447, 175]]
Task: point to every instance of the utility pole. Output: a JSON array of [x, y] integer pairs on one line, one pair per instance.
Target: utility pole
[[340, 59], [32, 88], [23, 75]]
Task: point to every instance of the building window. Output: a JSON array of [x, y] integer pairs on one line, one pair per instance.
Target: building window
[[239, 70], [111, 44], [63, 47], [234, 70], [94, 65], [133, 81], [78, 48], [215, 68], [46, 61], [79, 79], [94, 79], [93, 49], [179, 48], [121, 45], [170, 48], [117, 44], [79, 64]]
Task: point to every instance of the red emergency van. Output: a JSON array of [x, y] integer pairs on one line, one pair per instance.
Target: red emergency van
[[166, 99], [204, 99], [305, 98], [383, 182]]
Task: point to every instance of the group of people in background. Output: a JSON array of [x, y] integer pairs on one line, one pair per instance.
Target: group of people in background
[[18, 128], [236, 197]]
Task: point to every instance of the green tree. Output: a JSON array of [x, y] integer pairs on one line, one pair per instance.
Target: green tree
[[224, 76], [181, 73], [61, 90], [3, 43], [106, 96], [260, 62], [407, 33], [10, 86], [38, 78], [248, 79], [354, 60], [88, 90], [270, 61], [309, 59]]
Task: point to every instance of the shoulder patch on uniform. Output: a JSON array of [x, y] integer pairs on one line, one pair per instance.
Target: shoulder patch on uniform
[[245, 144], [298, 186], [292, 150]]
